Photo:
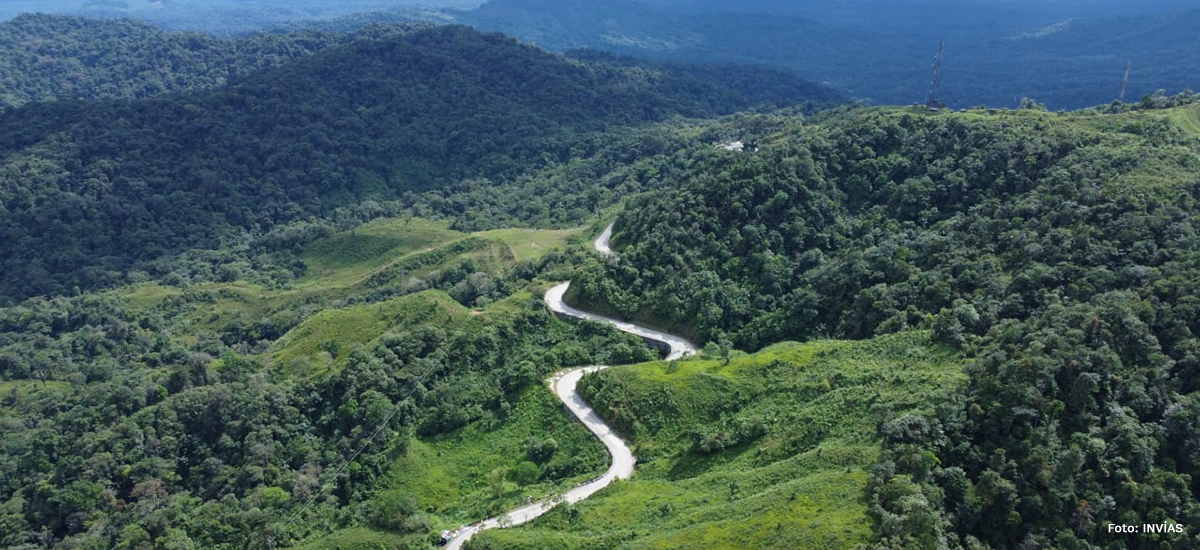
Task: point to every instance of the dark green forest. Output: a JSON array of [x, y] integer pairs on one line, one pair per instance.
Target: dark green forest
[[48, 57], [1057, 251], [273, 291], [91, 189], [117, 435]]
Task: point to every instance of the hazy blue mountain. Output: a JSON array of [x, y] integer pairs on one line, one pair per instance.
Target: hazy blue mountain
[[221, 17], [1067, 54], [995, 54]]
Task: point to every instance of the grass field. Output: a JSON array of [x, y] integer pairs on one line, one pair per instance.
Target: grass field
[[384, 256], [1187, 118], [448, 475], [356, 539], [20, 395], [326, 338], [791, 435], [344, 258]]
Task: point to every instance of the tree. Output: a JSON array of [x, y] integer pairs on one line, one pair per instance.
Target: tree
[[525, 473], [496, 481]]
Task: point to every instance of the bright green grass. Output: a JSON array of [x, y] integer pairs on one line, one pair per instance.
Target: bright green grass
[[1187, 118], [147, 295], [531, 244], [344, 258], [20, 395], [798, 485], [323, 340], [348, 258], [447, 475], [384, 253], [355, 539]]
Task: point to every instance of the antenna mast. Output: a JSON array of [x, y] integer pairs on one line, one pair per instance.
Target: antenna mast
[[934, 101], [1125, 83]]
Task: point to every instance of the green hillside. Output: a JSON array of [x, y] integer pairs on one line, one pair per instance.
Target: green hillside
[[132, 184], [405, 340], [771, 450], [1057, 251], [870, 222], [51, 57], [303, 310]]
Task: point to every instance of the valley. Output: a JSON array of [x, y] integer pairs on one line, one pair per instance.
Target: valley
[[326, 278]]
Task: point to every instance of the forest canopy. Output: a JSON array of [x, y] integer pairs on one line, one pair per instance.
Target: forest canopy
[[92, 189], [1059, 252]]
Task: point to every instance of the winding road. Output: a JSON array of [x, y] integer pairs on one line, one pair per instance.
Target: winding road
[[564, 386]]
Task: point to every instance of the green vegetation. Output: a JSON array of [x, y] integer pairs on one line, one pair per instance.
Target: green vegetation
[[48, 57], [218, 415], [348, 256], [331, 335], [770, 450], [278, 158], [355, 539], [445, 481], [1057, 251], [296, 310], [872, 222], [448, 475], [1187, 119]]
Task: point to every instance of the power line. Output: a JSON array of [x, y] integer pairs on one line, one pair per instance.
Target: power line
[[346, 464]]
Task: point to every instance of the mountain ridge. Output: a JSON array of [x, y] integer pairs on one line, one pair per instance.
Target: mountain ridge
[[370, 120]]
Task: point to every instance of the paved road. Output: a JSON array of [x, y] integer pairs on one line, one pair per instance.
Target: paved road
[[564, 385], [601, 243]]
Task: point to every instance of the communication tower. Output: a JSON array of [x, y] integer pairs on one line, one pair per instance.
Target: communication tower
[[934, 101]]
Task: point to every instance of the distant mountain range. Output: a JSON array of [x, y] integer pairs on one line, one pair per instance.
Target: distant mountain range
[[330, 125], [996, 58], [1067, 54]]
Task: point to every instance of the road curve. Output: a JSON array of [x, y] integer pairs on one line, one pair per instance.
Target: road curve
[[601, 242], [564, 385]]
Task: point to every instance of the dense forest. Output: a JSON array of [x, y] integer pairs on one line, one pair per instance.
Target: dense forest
[[91, 189], [1057, 250], [47, 57], [119, 435], [1068, 54], [269, 292], [227, 18]]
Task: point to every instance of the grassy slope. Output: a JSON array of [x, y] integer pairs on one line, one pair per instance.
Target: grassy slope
[[796, 486], [355, 539], [448, 474], [1187, 118], [381, 254], [18, 397], [329, 336], [345, 258]]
